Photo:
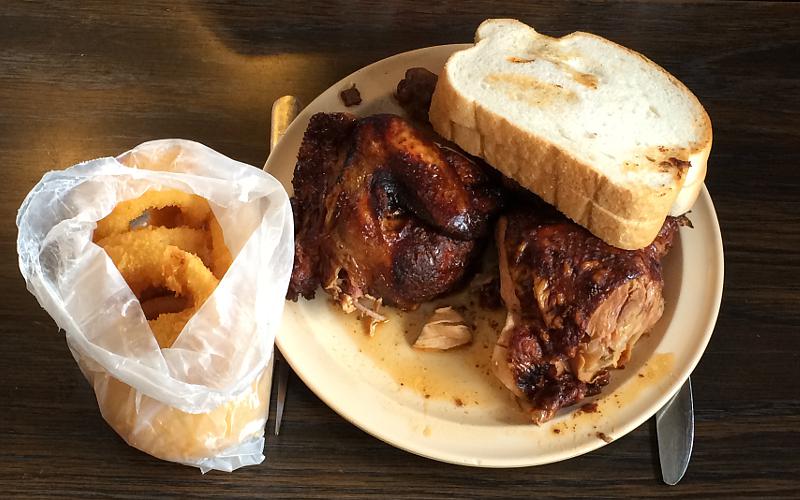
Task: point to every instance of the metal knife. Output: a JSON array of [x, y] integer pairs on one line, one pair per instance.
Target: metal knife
[[284, 110], [675, 430]]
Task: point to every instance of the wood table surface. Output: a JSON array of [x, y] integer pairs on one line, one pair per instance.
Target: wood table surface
[[80, 80]]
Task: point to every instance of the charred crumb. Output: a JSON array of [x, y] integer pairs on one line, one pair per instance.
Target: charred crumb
[[556, 431], [458, 402], [641, 375], [604, 437], [589, 408], [681, 165], [351, 96]]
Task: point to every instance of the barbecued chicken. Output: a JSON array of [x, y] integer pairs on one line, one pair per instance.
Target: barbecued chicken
[[384, 213], [576, 306]]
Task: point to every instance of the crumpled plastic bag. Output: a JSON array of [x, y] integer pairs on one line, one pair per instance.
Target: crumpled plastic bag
[[204, 401]]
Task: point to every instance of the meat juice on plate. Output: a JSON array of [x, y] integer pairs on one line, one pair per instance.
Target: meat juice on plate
[[461, 376]]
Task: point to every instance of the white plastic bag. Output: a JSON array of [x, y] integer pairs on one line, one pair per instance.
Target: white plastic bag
[[204, 401]]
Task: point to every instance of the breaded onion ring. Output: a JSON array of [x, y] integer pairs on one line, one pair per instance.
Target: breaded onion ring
[[148, 263], [194, 211], [194, 241], [186, 275], [220, 259]]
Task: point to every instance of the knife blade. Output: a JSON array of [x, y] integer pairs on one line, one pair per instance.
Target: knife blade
[[675, 431], [284, 110]]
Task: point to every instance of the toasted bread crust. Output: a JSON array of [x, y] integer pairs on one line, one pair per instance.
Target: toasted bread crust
[[627, 216]]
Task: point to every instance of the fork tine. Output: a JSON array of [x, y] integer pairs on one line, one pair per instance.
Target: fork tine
[[283, 382]]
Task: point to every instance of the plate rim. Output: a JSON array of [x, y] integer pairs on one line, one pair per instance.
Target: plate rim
[[715, 299]]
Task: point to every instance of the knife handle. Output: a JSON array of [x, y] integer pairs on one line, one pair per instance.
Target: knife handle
[[284, 110]]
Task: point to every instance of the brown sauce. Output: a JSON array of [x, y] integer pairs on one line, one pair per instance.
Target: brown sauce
[[655, 370], [462, 376]]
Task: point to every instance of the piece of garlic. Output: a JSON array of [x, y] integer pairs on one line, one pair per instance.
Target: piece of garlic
[[444, 330]]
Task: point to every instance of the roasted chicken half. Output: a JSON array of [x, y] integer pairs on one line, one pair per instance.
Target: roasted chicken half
[[576, 306], [383, 213]]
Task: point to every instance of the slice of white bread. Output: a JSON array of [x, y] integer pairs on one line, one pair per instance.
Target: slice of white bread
[[599, 131]]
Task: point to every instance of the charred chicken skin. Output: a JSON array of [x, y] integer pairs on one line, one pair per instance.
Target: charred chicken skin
[[414, 93], [383, 213], [576, 306]]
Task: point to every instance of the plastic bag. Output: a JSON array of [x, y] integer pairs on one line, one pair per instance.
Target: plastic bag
[[204, 401]]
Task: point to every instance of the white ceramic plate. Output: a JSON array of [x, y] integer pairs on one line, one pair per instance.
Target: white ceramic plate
[[447, 406]]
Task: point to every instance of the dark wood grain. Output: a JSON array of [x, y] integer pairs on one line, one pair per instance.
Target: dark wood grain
[[80, 80]]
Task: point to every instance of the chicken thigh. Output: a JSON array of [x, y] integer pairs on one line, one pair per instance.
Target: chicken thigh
[[576, 306]]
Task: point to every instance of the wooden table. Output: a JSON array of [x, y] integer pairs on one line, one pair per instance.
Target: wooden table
[[79, 80]]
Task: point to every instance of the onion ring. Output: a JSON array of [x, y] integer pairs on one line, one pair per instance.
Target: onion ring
[[172, 269], [185, 274], [220, 259], [194, 211], [194, 241], [150, 263], [167, 327]]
